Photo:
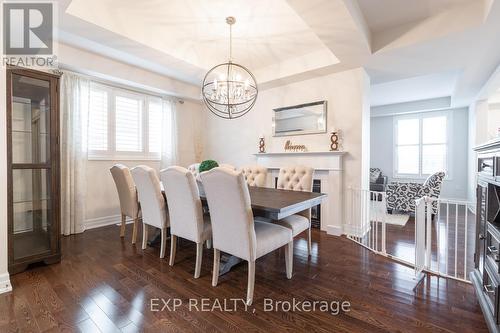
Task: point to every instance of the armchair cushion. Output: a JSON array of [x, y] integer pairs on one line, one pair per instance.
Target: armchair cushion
[[380, 185], [402, 196], [382, 180], [374, 174]]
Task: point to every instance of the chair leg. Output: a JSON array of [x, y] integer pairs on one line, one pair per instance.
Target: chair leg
[[144, 235], [199, 256], [134, 231], [215, 271], [289, 259], [163, 242], [209, 243], [309, 245], [122, 228], [251, 281], [173, 249]]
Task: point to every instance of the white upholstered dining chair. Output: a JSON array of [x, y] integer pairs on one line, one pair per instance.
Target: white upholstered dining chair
[[194, 169], [153, 205], [297, 178], [234, 230], [255, 175], [127, 193], [185, 212], [228, 166]]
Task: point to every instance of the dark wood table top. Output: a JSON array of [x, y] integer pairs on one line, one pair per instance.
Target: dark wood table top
[[282, 203], [277, 204]]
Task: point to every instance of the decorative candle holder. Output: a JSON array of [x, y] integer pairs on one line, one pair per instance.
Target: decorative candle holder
[[262, 145], [334, 141]]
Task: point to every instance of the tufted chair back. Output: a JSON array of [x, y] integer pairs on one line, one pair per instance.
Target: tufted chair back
[[194, 169], [297, 178], [255, 175]]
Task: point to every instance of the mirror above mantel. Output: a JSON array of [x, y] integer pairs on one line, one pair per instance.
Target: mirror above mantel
[[308, 118]]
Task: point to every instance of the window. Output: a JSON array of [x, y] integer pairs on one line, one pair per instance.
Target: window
[[128, 127], [155, 121], [98, 120], [124, 125], [421, 144]]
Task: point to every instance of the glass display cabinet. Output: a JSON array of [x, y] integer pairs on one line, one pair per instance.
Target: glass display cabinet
[[33, 168]]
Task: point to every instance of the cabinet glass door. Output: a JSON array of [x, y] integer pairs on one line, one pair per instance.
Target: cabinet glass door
[[31, 166]]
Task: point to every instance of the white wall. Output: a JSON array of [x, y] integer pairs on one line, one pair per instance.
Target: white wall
[[102, 204], [493, 120], [481, 117], [235, 141], [471, 158], [484, 122], [76, 59], [382, 152]]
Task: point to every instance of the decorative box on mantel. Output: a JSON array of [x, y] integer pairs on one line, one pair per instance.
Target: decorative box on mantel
[[328, 168]]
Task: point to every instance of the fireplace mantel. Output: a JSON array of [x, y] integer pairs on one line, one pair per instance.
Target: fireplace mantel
[[302, 153], [328, 166], [320, 160]]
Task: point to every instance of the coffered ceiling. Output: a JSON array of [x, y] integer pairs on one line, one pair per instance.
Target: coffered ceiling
[[445, 46]]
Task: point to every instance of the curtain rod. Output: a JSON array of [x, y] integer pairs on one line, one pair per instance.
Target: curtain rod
[[118, 85]]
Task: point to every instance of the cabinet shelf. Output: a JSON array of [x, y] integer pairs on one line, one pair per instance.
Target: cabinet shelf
[[27, 201], [30, 132]]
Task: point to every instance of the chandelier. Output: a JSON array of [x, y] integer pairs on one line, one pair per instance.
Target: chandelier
[[229, 90]]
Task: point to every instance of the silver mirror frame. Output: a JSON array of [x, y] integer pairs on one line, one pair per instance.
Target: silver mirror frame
[[292, 133]]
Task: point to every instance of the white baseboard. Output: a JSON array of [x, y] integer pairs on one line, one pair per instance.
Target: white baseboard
[[105, 221], [102, 221], [355, 230], [5, 285], [334, 230]]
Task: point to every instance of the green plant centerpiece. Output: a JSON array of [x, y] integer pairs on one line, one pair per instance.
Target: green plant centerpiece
[[208, 165], [205, 166]]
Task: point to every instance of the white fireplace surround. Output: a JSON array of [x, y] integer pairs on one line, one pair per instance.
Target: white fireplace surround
[[328, 168]]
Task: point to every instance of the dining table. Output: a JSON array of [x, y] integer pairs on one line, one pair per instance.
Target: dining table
[[271, 204]]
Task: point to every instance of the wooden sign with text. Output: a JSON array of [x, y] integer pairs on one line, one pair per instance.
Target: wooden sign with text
[[294, 148]]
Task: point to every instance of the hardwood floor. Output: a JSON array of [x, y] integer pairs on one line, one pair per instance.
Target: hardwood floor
[[105, 284]]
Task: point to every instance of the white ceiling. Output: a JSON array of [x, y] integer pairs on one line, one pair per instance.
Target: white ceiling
[[414, 89], [411, 49], [266, 32], [388, 14]]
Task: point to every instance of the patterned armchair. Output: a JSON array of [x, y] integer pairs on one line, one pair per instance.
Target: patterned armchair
[[402, 196]]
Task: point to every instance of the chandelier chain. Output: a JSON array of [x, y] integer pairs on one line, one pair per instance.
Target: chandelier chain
[[230, 42]]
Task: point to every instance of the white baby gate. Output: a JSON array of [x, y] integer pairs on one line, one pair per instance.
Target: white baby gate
[[443, 243], [447, 238]]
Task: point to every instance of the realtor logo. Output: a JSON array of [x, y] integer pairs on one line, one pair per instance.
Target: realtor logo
[[28, 28]]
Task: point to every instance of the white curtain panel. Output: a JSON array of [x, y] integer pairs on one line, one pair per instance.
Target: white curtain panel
[[75, 95], [169, 150]]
